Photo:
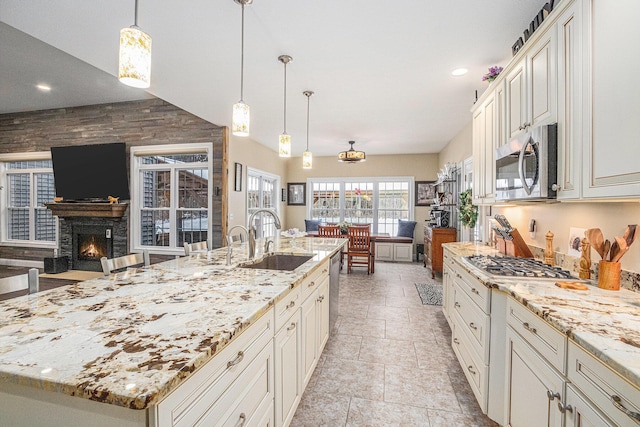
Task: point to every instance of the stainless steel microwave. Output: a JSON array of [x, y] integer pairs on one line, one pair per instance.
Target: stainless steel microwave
[[527, 167]]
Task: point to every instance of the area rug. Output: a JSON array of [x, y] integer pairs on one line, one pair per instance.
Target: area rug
[[430, 293]]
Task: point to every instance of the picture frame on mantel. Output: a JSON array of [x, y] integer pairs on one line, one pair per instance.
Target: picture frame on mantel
[[425, 192], [296, 192], [238, 177]]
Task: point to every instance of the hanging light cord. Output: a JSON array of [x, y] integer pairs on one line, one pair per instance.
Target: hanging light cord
[[285, 97], [241, 57], [308, 98], [135, 16]]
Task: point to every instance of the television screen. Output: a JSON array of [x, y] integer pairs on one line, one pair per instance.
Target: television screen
[[90, 172]]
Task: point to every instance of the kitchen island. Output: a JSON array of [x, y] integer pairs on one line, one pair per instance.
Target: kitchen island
[[111, 349]]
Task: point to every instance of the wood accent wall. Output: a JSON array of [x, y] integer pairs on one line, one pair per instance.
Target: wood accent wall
[[136, 123]]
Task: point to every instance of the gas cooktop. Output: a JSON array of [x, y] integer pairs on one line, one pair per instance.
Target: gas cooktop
[[517, 267]]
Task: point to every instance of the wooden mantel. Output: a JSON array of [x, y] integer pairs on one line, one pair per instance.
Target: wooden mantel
[[105, 210]]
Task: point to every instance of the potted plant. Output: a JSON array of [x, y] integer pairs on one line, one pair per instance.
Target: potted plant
[[468, 211]]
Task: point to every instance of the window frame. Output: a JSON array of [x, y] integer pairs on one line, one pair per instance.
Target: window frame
[[410, 180], [276, 192], [4, 238], [136, 203]]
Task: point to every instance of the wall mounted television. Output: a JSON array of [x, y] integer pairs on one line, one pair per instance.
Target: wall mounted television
[[90, 172]]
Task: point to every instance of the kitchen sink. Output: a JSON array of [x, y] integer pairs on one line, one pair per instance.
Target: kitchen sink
[[279, 262]]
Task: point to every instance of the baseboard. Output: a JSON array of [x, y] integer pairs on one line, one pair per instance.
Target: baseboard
[[21, 263]]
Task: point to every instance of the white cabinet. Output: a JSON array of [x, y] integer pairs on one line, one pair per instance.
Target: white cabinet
[[611, 125], [315, 329], [516, 96], [288, 370], [484, 145], [388, 251], [533, 387], [582, 413], [447, 285]]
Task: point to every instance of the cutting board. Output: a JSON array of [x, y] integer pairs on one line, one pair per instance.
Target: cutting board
[[576, 286]]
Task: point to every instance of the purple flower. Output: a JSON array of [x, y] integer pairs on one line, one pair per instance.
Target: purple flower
[[493, 73]]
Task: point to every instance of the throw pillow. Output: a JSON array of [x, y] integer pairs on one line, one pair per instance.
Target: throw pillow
[[311, 224], [405, 228]]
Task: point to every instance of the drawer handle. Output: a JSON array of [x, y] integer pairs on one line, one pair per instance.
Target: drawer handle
[[290, 305], [458, 276], [564, 408], [455, 340], [312, 284], [473, 326], [456, 304], [237, 360], [553, 395], [475, 291], [470, 369], [617, 402], [241, 420], [291, 326], [529, 328], [321, 298]]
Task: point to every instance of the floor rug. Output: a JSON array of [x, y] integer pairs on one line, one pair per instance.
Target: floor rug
[[430, 293]]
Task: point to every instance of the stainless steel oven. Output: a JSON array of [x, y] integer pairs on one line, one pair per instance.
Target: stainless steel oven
[[527, 167]]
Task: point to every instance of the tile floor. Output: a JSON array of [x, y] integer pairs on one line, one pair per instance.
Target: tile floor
[[389, 362]]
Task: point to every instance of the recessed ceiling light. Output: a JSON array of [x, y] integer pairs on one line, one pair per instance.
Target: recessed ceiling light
[[459, 72], [43, 88]]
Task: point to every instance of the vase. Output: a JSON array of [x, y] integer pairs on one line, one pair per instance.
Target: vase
[[609, 275]]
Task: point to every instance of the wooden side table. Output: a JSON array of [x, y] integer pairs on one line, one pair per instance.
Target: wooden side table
[[434, 237]]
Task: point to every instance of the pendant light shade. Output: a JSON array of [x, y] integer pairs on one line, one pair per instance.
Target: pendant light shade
[[351, 155], [241, 117], [284, 142], [134, 65], [307, 157]]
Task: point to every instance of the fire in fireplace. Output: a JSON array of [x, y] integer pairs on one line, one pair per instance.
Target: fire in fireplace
[[91, 247], [90, 243]]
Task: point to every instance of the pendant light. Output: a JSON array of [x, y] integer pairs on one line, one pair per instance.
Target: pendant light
[[134, 65], [284, 142], [307, 157], [351, 155], [241, 112]]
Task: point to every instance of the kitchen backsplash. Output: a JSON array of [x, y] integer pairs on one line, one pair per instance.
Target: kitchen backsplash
[[628, 279]]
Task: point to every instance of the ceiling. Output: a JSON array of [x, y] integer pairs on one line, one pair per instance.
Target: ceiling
[[380, 70]]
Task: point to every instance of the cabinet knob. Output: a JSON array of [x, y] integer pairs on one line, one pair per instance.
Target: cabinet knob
[[475, 291], [556, 187], [456, 340], [290, 305], [456, 304], [564, 408], [473, 326], [241, 420], [312, 284], [470, 369], [553, 395], [321, 298], [291, 326]]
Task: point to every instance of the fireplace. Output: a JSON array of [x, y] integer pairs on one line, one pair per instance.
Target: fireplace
[[90, 243]]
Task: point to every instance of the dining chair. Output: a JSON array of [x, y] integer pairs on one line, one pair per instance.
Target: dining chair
[[359, 248], [329, 231], [195, 247], [126, 261], [29, 281]]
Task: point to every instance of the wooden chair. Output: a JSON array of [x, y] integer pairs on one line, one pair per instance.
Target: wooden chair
[[126, 261], [29, 281], [359, 249], [195, 247], [329, 231]]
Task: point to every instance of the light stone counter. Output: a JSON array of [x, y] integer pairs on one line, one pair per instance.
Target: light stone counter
[[605, 323], [132, 338]]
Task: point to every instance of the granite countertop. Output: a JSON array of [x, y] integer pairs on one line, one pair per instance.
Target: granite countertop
[[605, 323], [131, 338]]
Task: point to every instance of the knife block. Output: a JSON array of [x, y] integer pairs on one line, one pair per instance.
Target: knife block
[[516, 247]]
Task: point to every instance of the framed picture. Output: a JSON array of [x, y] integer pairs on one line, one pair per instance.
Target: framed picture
[[296, 193], [425, 192], [283, 196], [238, 177]]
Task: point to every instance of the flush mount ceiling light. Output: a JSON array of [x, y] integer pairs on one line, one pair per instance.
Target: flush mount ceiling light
[[284, 142], [43, 87], [307, 157], [241, 112], [459, 72], [351, 155], [134, 68]]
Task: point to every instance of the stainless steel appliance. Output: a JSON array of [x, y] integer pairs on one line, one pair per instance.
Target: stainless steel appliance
[[518, 267], [334, 290], [527, 167]]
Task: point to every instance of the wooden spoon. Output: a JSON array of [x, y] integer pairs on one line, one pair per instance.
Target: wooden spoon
[[630, 234], [605, 251], [623, 250], [596, 240], [616, 248]]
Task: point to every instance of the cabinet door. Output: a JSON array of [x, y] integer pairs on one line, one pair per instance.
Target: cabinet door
[[478, 155], [612, 127], [447, 284], [516, 108], [489, 175], [384, 251], [323, 315], [287, 371], [500, 128], [570, 97], [541, 63], [529, 382], [402, 252], [582, 413], [309, 337]]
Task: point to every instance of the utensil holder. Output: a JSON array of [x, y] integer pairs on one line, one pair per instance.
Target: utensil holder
[[609, 275]]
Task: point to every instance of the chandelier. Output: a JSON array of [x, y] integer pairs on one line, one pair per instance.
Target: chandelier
[[134, 64], [351, 155]]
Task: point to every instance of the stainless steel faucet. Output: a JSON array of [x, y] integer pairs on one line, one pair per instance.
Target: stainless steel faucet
[[252, 229], [229, 241]]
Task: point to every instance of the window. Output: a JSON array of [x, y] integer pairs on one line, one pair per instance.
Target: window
[[28, 184], [263, 191], [376, 201], [171, 193]]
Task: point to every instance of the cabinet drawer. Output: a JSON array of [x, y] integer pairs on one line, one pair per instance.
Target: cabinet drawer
[[473, 321], [199, 393], [604, 387], [287, 306], [479, 293], [311, 283], [548, 341], [475, 372]]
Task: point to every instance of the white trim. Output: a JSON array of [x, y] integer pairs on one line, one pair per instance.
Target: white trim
[[21, 263], [135, 203]]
